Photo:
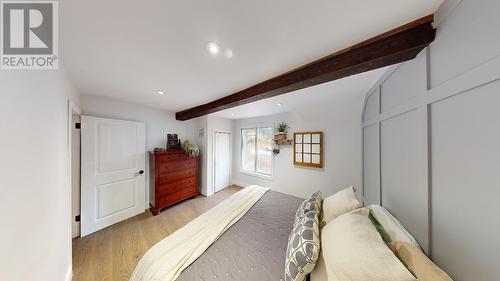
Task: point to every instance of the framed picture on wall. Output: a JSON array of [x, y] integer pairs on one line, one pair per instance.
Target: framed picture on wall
[[308, 149]]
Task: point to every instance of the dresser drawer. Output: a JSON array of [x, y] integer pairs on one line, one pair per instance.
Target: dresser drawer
[[176, 175], [176, 165], [172, 157], [175, 195], [174, 187]]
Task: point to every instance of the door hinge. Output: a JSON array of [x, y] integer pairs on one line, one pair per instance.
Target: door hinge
[[78, 125], [77, 218]]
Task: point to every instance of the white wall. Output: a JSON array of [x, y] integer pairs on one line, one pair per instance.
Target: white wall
[[339, 121], [35, 210], [210, 125], [432, 149], [158, 122], [202, 128]]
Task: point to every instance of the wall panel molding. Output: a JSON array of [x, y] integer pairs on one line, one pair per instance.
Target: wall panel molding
[[392, 186], [371, 156], [479, 76], [451, 142]]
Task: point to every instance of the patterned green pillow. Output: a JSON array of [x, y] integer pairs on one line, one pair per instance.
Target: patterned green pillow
[[304, 241], [380, 228]]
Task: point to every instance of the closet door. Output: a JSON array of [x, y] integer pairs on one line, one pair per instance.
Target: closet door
[[222, 161]]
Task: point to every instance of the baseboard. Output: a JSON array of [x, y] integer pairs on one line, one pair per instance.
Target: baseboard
[[239, 183], [69, 273]]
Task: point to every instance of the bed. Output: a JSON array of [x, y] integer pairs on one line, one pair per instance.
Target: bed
[[253, 248], [260, 234], [243, 238]]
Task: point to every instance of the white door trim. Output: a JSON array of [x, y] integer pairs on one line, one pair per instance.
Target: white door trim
[[72, 109], [214, 153]]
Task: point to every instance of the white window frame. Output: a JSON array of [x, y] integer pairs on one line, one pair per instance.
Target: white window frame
[[255, 173]]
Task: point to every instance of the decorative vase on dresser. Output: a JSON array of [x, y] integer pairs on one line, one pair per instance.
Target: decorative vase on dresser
[[173, 178]]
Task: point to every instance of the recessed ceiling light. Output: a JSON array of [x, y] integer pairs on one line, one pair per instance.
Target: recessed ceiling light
[[279, 104], [228, 53], [213, 48], [160, 93]]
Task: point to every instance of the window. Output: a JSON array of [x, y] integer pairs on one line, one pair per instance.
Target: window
[[257, 150]]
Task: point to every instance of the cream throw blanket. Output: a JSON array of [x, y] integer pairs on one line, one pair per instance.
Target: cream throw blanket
[[168, 258]]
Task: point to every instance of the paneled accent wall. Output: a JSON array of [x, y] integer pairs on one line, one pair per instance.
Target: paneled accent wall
[[431, 142], [395, 146]]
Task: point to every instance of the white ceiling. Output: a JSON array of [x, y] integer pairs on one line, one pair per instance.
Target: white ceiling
[[319, 97], [128, 49]]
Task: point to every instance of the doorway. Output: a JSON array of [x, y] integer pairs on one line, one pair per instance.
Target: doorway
[[73, 166], [75, 175], [222, 160]]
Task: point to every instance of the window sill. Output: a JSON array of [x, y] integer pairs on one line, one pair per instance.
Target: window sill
[[257, 175]]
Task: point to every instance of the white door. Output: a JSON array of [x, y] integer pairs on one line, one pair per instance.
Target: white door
[[113, 179], [222, 161]]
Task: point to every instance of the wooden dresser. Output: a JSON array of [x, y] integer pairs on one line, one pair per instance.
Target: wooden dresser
[[173, 177]]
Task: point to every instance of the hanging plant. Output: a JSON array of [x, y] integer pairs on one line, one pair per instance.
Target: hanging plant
[[282, 128]]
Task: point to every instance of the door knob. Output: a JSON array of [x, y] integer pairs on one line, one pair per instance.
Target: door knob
[[139, 173]]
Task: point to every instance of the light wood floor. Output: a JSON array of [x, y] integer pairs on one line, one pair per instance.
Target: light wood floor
[[112, 253]]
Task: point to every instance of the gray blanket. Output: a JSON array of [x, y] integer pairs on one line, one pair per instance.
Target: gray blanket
[[254, 248]]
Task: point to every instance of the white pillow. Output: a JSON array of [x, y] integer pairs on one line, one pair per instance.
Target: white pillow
[[392, 226], [340, 203], [319, 273], [354, 251]]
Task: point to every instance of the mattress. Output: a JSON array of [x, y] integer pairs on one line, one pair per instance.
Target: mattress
[[253, 248]]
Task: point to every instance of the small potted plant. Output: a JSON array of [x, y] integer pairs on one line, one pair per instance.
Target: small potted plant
[[191, 149], [281, 130]]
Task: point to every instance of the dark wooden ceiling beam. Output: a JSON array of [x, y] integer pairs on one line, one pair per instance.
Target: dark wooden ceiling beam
[[398, 45]]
